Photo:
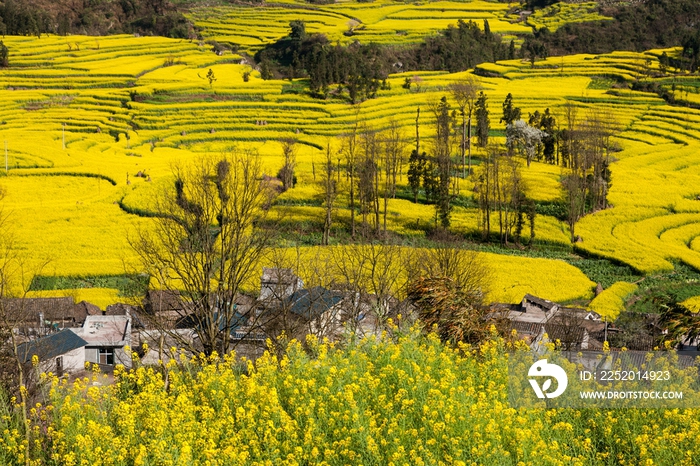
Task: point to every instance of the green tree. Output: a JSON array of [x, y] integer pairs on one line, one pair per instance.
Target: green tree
[[286, 173], [443, 159], [266, 70], [663, 63], [430, 179], [416, 168], [482, 120], [211, 77], [298, 30], [510, 112], [4, 55], [548, 125], [511, 50]]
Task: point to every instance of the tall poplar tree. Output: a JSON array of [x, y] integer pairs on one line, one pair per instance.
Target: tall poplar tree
[[483, 123]]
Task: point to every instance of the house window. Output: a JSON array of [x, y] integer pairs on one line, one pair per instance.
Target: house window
[[106, 356]]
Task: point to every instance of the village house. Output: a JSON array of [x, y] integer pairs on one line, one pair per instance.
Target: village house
[[106, 337], [34, 317], [163, 308], [572, 328], [278, 283], [61, 353], [285, 306]]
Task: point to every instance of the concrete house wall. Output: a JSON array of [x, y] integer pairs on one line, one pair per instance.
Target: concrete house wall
[[73, 361]]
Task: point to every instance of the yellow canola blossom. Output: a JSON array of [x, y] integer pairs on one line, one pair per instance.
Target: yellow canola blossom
[[407, 400], [692, 303], [612, 301]]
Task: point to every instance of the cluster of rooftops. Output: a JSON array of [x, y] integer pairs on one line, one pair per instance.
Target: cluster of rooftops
[[66, 335]]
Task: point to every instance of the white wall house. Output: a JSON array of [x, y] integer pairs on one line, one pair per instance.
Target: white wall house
[[106, 337], [60, 353]]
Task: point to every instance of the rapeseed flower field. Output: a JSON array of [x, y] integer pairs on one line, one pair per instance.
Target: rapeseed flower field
[[93, 127], [611, 301], [402, 399], [107, 117]]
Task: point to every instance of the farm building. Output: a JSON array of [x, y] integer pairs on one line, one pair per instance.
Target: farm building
[[35, 316], [534, 317], [277, 283], [106, 337], [62, 352]]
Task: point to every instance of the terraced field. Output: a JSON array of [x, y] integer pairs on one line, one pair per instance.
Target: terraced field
[[130, 107], [555, 16], [381, 22], [654, 219]]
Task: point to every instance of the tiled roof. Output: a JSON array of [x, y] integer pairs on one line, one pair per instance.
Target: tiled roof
[[278, 275], [544, 303], [163, 300], [50, 346], [311, 303], [105, 330], [54, 309]]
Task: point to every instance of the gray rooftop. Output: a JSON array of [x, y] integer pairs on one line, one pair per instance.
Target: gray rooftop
[[50, 346], [105, 330]]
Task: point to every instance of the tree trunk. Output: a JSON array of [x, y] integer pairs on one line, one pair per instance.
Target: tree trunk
[[464, 145], [469, 142], [417, 133], [375, 201], [386, 202], [352, 203], [327, 226]]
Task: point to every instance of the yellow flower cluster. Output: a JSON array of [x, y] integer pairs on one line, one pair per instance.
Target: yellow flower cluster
[[409, 400], [611, 301]]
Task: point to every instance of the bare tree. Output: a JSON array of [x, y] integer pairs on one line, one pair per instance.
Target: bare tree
[[465, 94], [567, 328], [372, 275], [586, 150], [305, 299], [350, 151], [597, 130], [329, 188], [15, 274], [501, 190], [393, 145], [510, 196], [368, 178], [575, 187], [205, 243], [485, 188], [275, 317], [569, 136], [465, 267]]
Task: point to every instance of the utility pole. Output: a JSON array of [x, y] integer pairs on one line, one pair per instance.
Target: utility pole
[[605, 322]]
